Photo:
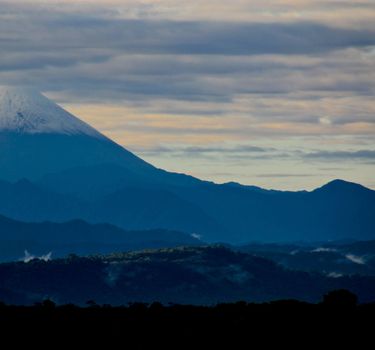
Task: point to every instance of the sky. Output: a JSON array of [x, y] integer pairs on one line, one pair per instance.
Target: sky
[[278, 93]]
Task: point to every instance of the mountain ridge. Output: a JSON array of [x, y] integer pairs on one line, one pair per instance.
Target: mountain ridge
[[79, 237], [93, 178], [217, 213], [338, 184]]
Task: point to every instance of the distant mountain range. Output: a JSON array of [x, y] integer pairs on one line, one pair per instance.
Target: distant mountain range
[[333, 259], [22, 241], [217, 213], [55, 167], [195, 275]]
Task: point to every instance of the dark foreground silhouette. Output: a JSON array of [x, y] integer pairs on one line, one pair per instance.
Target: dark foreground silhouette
[[338, 319]]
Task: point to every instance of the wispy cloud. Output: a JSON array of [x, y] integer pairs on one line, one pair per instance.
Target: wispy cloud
[[327, 11], [356, 259], [29, 257], [283, 175], [217, 149], [343, 155]]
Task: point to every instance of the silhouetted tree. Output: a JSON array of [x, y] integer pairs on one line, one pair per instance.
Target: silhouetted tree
[[92, 304], [340, 297], [48, 304]]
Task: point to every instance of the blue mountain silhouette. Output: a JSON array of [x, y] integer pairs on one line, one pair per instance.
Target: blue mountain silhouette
[[55, 167]]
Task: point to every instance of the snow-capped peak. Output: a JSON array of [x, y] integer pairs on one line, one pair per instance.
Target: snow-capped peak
[[24, 110]]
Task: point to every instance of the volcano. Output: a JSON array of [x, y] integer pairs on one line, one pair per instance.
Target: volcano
[[38, 137]]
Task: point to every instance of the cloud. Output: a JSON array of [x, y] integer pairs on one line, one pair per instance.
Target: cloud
[[343, 155], [334, 274], [29, 257], [342, 12], [283, 175], [197, 151], [196, 236], [113, 273], [237, 149], [356, 259], [48, 31], [92, 53], [324, 250]]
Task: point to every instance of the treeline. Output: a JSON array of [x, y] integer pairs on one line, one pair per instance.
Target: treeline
[[237, 325]]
